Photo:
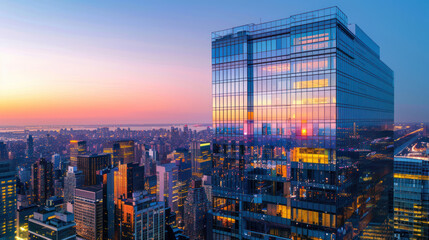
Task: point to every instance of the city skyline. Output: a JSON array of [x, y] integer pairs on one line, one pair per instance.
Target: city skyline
[[128, 63], [225, 120]]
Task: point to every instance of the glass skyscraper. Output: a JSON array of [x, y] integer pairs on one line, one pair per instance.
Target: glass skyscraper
[[303, 123], [8, 201]]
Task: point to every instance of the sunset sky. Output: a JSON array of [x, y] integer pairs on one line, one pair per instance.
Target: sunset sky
[[110, 62]]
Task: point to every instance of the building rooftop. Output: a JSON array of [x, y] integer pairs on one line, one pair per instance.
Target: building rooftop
[[418, 149], [94, 155], [294, 20], [297, 20]]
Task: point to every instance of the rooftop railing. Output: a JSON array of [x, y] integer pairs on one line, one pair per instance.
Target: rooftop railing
[[294, 20]]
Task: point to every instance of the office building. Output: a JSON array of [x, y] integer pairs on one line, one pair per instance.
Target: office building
[[129, 179], [23, 214], [182, 159], [303, 130], [201, 159], [77, 148], [140, 217], [72, 180], [42, 181], [106, 179], [56, 161], [195, 211], [150, 184], [3, 152], [90, 164], [30, 147], [8, 201], [122, 151], [88, 212], [411, 191], [207, 185], [167, 178], [46, 223]]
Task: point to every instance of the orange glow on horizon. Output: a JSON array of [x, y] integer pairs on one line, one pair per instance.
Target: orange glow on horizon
[[42, 87]]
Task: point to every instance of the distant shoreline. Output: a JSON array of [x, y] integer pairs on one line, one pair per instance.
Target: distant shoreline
[[199, 126]]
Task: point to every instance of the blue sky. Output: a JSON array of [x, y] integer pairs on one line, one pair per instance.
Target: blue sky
[[154, 56]]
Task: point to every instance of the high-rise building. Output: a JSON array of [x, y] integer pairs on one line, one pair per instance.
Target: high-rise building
[[77, 148], [88, 212], [3, 152], [23, 214], [140, 217], [56, 160], [150, 184], [8, 201], [46, 223], [201, 159], [207, 185], [129, 179], [182, 159], [122, 151], [90, 164], [411, 188], [30, 147], [302, 121], [42, 181], [195, 212], [167, 179], [107, 182], [72, 180]]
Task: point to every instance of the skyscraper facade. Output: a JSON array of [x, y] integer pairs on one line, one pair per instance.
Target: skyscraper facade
[[140, 217], [56, 160], [88, 212], [195, 213], [42, 181], [106, 178], [30, 147], [8, 201], [23, 214], [411, 191], [129, 178], [77, 148], [167, 190], [90, 164], [201, 159], [73, 179], [3, 152], [122, 151], [182, 159], [303, 120]]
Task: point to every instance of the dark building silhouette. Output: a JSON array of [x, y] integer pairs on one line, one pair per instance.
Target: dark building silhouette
[[90, 164], [42, 181], [195, 212], [30, 147], [106, 178], [3, 152]]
